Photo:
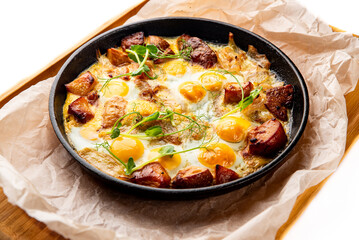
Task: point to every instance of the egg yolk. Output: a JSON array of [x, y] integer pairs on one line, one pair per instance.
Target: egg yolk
[[89, 132], [192, 91], [212, 81], [232, 129], [217, 153], [126, 147], [168, 162], [144, 107], [115, 88], [175, 67]]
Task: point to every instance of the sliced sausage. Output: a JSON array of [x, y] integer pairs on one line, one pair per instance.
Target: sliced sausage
[[192, 177], [201, 53], [82, 85], [153, 174], [80, 109], [137, 38], [279, 99], [233, 93], [261, 59], [266, 139], [114, 108], [224, 174], [117, 57]]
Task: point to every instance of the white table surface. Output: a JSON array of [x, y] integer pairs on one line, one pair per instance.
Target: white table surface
[[33, 33]]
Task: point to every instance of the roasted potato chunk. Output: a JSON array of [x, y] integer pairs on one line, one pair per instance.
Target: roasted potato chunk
[[117, 57], [233, 93], [192, 177], [153, 174], [114, 108], [80, 109], [224, 174], [266, 139], [82, 85]]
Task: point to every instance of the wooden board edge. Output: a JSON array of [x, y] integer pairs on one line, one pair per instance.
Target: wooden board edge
[[52, 68], [303, 200]]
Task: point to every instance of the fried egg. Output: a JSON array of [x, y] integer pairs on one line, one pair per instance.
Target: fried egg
[[185, 88]]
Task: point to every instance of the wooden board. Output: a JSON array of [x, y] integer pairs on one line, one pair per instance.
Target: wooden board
[[16, 224]]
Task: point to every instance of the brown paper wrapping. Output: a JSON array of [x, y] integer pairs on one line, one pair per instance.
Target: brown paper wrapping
[[38, 175]]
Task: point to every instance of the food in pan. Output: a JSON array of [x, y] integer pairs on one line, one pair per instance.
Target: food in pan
[[178, 112]]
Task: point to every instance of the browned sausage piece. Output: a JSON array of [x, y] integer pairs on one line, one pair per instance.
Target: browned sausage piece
[[117, 57], [233, 93], [80, 109], [192, 177], [153, 174], [261, 59], [82, 85], [266, 139], [114, 108], [201, 54], [137, 38], [92, 97], [181, 40], [224, 174], [278, 100]]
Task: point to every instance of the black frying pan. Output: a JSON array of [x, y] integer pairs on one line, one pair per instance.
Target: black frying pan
[[208, 30]]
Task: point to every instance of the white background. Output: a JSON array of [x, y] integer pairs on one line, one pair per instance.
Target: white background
[[33, 33]]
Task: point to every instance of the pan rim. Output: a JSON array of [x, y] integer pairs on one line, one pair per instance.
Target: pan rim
[[180, 193]]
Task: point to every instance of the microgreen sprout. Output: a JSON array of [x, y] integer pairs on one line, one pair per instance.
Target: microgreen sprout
[[169, 150], [152, 117], [245, 102], [140, 54], [130, 164], [115, 131]]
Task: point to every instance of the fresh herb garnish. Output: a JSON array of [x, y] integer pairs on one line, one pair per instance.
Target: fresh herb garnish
[[152, 117], [245, 102], [169, 150], [130, 164], [115, 131], [166, 150], [154, 131], [228, 72], [140, 54]]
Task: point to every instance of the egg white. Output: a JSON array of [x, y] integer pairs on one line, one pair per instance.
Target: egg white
[[202, 108]]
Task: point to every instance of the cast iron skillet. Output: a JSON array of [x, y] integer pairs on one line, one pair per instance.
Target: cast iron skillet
[[208, 30]]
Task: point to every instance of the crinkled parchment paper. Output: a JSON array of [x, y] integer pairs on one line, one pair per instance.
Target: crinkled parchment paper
[[38, 175]]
